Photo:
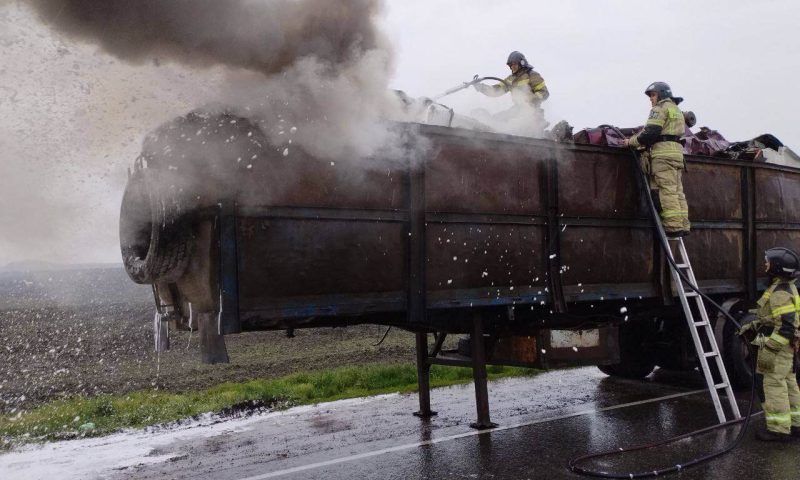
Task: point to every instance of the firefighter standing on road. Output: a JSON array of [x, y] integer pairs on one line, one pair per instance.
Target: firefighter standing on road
[[778, 321], [663, 159], [527, 89]]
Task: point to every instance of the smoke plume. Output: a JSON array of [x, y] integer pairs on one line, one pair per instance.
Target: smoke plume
[[321, 65], [261, 35], [318, 69]]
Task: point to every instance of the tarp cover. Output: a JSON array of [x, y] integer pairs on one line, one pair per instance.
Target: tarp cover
[[705, 142]]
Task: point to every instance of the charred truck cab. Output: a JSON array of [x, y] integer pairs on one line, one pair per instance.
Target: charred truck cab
[[541, 252]]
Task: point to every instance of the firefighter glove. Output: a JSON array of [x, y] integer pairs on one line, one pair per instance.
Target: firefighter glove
[[747, 327]]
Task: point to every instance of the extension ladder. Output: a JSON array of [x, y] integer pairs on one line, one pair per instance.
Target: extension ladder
[[704, 326]]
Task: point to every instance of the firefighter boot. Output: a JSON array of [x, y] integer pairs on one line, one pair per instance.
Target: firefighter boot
[[767, 436]]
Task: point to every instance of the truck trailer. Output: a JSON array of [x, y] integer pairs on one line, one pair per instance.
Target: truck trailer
[[541, 253]]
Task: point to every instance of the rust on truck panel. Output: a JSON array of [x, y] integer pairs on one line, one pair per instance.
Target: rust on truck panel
[[525, 219], [486, 234], [485, 178], [282, 258], [777, 196], [715, 192], [767, 239], [597, 185], [299, 180], [606, 255], [717, 254], [478, 259]]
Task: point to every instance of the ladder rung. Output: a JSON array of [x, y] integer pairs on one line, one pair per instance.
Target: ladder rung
[[685, 292]]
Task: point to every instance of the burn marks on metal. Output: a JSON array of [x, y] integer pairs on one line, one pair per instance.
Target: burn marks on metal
[[481, 221], [281, 258]]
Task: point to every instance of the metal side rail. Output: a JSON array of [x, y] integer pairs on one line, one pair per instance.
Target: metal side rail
[[687, 296]]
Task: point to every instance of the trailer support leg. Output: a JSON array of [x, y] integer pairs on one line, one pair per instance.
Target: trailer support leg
[[478, 348], [162, 334], [423, 377], [212, 343]]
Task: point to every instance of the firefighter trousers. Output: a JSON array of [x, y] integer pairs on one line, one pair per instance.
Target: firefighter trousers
[[665, 176], [781, 394]]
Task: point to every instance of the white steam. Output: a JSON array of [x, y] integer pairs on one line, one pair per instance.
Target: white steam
[[74, 117]]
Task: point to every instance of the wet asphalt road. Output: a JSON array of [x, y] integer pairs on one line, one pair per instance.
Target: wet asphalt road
[[544, 421]]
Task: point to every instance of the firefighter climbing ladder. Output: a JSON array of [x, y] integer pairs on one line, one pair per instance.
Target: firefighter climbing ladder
[[686, 296]]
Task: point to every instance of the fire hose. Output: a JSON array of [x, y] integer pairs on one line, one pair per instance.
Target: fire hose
[[475, 80], [573, 463]]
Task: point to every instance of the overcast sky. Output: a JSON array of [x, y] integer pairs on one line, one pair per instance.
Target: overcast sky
[[736, 63], [72, 118]]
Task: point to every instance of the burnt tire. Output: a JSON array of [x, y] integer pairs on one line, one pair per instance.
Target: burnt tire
[[155, 238], [635, 361]]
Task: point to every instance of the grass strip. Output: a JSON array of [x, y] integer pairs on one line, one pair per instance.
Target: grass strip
[[100, 415]]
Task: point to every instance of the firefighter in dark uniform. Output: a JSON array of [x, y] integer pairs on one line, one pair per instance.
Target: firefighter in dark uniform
[[527, 89], [777, 323], [663, 157]]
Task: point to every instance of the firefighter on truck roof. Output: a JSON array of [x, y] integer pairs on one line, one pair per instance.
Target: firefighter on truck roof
[[527, 89], [662, 159]]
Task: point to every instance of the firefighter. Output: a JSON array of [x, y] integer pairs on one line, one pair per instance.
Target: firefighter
[[662, 158], [527, 89], [777, 323]]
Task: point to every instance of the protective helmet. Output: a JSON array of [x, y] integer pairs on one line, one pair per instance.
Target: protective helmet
[[661, 88], [690, 118], [517, 57], [782, 262]]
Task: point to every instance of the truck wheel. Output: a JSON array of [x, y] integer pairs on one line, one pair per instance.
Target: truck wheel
[[635, 361], [154, 239], [632, 369], [734, 349]]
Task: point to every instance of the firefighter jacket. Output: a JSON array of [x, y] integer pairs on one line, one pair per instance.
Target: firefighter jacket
[[665, 125], [778, 308], [526, 87]]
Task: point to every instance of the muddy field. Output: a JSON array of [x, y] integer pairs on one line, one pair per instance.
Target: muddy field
[[90, 332]]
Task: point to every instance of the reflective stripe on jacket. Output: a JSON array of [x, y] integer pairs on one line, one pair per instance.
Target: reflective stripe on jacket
[[779, 307], [525, 87], [668, 116]]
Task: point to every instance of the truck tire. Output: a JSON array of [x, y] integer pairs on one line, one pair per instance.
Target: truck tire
[[635, 361], [734, 349], [636, 370], [154, 237]]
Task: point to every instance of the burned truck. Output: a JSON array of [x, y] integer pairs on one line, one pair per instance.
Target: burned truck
[[541, 252]]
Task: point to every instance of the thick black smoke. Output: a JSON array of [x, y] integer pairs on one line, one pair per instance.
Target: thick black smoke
[[262, 35], [320, 65], [314, 74]]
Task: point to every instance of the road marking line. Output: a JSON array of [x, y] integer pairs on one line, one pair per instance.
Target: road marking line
[[471, 433]]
